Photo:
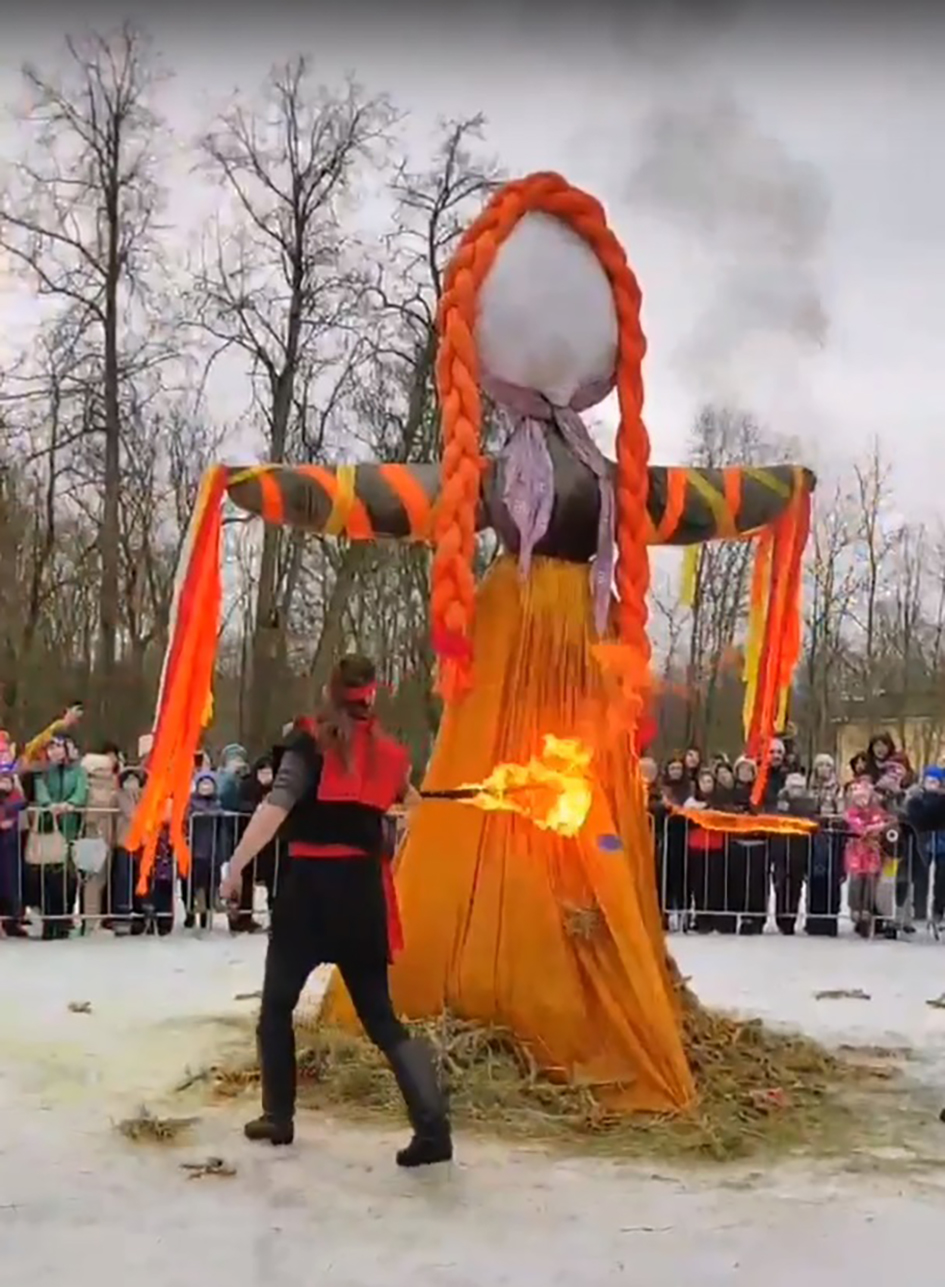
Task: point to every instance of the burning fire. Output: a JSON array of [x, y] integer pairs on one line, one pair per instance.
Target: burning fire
[[553, 790]]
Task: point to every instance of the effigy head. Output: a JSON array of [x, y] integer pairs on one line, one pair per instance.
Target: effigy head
[[547, 336], [546, 321], [540, 309]]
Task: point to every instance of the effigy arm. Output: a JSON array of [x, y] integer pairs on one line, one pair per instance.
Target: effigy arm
[[690, 506], [366, 502]]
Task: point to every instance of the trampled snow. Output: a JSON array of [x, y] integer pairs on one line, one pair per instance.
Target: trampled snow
[[79, 1204]]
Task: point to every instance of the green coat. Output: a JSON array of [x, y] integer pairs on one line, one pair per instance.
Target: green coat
[[61, 784]]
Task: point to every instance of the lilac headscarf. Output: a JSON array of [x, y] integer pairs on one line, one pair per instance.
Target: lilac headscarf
[[528, 491]]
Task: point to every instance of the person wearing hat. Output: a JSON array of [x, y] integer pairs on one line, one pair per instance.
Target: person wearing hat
[[234, 766], [790, 855], [254, 789], [126, 914], [825, 878], [58, 794], [36, 746]]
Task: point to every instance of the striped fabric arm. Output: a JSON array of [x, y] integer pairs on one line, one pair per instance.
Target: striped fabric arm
[[369, 502]]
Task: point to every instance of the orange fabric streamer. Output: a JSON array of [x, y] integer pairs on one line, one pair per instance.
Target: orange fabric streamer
[[781, 643], [745, 823], [184, 700], [457, 378], [674, 509]]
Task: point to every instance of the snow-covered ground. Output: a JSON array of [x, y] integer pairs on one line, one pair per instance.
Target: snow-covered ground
[[79, 1204]]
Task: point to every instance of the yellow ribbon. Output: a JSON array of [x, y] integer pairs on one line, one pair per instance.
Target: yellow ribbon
[[754, 643], [343, 502], [725, 525], [690, 574]]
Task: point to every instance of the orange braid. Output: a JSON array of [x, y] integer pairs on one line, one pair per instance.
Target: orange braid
[[457, 378]]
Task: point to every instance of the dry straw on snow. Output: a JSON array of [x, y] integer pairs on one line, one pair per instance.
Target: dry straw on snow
[[759, 1090]]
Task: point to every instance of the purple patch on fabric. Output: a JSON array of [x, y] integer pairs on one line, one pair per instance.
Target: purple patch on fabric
[[610, 844]]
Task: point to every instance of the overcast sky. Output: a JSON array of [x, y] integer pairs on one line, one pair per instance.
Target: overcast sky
[[779, 188]]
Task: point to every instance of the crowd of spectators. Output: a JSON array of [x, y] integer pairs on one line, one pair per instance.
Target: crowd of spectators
[[874, 842], [877, 834], [64, 822]]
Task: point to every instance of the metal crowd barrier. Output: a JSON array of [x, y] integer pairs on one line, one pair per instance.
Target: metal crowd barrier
[[67, 870], [706, 881], [737, 882]]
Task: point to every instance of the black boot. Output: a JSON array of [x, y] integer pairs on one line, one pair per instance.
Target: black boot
[[270, 1129], [413, 1066]]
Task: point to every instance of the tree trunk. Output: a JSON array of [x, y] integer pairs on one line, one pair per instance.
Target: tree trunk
[[330, 640], [109, 532]]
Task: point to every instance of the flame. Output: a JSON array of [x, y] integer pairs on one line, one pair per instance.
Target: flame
[[553, 790], [769, 824]]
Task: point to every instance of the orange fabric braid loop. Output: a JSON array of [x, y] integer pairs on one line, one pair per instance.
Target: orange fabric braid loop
[[457, 379]]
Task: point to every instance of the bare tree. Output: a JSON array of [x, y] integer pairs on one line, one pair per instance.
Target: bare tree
[[833, 587], [876, 539], [394, 408], [78, 216], [278, 283]]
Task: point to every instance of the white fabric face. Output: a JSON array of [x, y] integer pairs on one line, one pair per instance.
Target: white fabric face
[[547, 320]]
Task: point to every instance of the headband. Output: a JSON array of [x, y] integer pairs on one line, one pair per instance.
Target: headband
[[366, 693]]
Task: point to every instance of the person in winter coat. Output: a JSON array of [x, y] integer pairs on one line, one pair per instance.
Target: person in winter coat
[[859, 767], [233, 772], [157, 906], [881, 755], [101, 816], [208, 849], [825, 787], [12, 804], [825, 878], [254, 787], [692, 763], [650, 773], [59, 792], [925, 812], [747, 890], [126, 913], [706, 863], [724, 784], [671, 838], [777, 775], [234, 767], [658, 814], [866, 821], [36, 747], [791, 855]]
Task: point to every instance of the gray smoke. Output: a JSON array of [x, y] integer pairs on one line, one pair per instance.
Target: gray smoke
[[758, 217]]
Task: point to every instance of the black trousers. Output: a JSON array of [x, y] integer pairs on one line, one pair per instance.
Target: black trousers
[[747, 883], [158, 908], [670, 842], [708, 880], [824, 884], [290, 959], [790, 859]]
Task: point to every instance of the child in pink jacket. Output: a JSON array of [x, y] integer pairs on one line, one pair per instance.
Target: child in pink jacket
[[866, 821]]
